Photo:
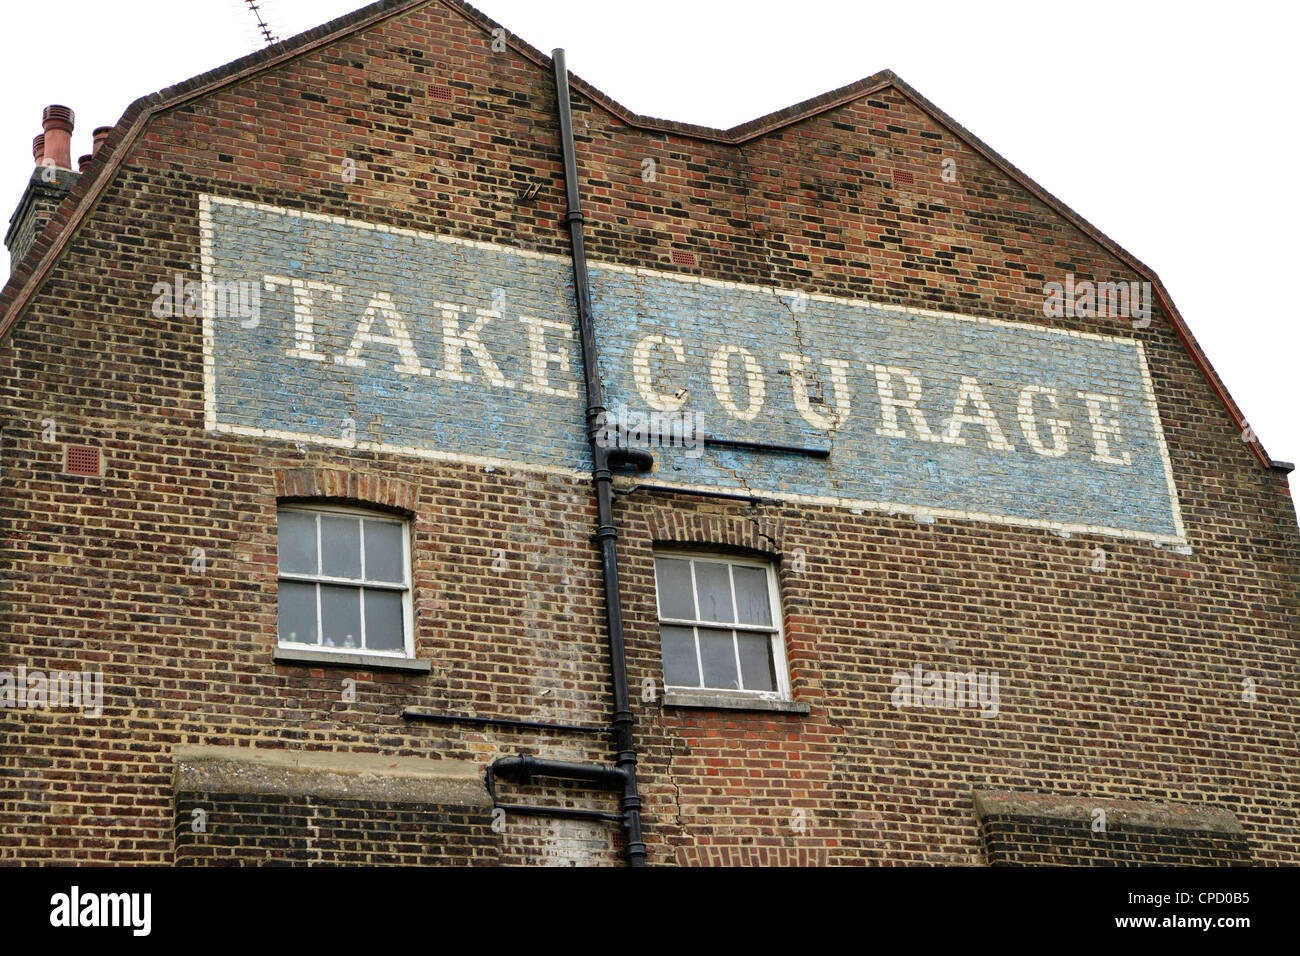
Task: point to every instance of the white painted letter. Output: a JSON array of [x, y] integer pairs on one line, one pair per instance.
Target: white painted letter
[[659, 401], [969, 393], [799, 386], [455, 341], [1029, 427], [889, 403], [721, 373], [1104, 429], [304, 339], [540, 357], [382, 303]]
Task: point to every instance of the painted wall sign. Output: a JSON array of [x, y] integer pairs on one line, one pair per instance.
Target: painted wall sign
[[394, 340]]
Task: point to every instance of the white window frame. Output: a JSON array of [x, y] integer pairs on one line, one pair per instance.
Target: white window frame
[[408, 616], [776, 631]]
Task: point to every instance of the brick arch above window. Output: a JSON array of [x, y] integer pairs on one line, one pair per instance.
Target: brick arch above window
[[751, 856], [344, 485], [757, 535]]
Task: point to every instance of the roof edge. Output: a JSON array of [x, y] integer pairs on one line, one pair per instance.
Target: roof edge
[[28, 275], [1180, 326]]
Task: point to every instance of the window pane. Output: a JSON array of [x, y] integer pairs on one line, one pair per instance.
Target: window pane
[[384, 621], [718, 655], [340, 545], [714, 587], [680, 667], [340, 616], [673, 579], [756, 661], [297, 542], [384, 553], [751, 595], [297, 613]]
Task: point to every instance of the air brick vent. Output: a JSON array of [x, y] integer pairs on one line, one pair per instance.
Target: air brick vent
[[81, 460], [683, 258]]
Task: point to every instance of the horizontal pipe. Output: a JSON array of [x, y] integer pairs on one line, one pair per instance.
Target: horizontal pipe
[[752, 499], [525, 767], [573, 812], [810, 451], [412, 713]]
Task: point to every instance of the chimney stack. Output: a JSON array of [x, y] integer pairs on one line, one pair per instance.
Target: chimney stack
[[58, 122], [51, 180]]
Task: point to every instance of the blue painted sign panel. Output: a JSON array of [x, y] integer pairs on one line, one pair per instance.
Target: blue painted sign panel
[[360, 335]]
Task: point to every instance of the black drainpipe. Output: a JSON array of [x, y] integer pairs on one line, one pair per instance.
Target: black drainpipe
[[623, 774]]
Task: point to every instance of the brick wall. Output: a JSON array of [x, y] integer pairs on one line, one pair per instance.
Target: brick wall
[[275, 829], [1125, 680]]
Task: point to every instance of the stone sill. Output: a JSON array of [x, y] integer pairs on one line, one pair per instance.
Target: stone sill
[[719, 701], [330, 775], [1152, 814], [370, 662]]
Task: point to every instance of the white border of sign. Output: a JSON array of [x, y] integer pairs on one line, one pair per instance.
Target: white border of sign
[[212, 425]]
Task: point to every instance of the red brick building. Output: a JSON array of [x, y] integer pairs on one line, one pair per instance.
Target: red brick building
[[948, 546]]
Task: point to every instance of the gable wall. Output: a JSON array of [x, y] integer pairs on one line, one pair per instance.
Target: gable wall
[[1126, 681]]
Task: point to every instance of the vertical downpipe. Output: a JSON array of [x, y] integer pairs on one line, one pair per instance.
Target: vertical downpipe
[[606, 533]]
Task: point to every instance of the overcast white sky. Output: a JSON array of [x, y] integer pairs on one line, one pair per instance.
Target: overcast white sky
[[1171, 127]]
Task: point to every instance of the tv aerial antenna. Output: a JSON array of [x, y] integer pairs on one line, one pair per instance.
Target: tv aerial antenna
[[265, 30]]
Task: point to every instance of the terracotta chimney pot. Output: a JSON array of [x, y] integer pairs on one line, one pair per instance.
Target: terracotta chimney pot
[[58, 122]]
